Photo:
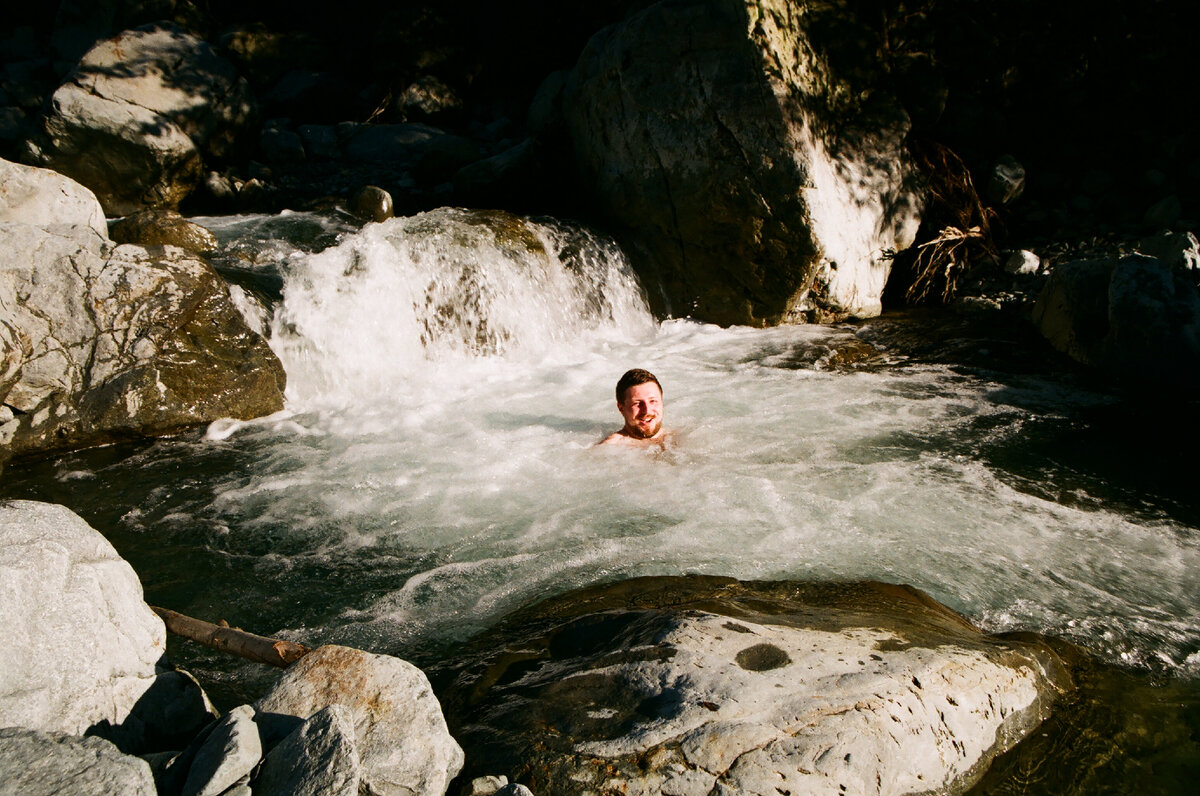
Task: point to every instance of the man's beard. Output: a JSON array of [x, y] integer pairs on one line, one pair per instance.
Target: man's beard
[[636, 430]]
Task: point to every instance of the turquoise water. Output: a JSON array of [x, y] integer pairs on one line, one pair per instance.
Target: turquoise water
[[434, 470]]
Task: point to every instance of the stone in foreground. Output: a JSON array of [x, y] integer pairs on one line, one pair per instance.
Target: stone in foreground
[[755, 689], [319, 758], [84, 650], [51, 764], [399, 730]]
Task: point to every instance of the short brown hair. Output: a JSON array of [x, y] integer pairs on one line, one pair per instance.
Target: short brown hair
[[633, 378]]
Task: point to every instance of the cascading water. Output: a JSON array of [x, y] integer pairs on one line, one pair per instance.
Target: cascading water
[[434, 469]]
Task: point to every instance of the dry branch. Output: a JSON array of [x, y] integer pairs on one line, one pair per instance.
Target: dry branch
[[260, 649]]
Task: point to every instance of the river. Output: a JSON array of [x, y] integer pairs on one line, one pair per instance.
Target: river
[[434, 469]]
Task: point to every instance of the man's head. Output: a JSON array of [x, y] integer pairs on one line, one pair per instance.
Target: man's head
[[640, 402]]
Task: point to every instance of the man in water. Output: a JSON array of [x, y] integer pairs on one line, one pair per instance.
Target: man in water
[[640, 402]]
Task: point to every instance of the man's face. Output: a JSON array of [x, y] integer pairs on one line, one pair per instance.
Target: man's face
[[642, 409]]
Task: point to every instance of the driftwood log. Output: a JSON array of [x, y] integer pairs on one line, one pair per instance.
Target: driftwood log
[[260, 649]]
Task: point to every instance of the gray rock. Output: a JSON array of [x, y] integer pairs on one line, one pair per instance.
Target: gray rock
[[163, 228], [86, 651], [804, 688], [399, 730], [1137, 319], [230, 752], [122, 342], [484, 786], [45, 198], [136, 118], [319, 759], [36, 763], [742, 155]]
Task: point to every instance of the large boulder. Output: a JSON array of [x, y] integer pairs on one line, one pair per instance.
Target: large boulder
[[710, 686], [1136, 319], [84, 652], [748, 151], [45, 198], [141, 114], [36, 763], [401, 736], [102, 342]]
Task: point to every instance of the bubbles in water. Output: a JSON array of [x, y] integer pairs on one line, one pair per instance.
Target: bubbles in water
[[366, 317]]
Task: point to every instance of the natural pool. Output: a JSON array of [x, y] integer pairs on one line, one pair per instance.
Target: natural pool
[[434, 470]]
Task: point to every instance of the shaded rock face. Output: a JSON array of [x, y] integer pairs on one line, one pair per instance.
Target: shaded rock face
[[400, 734], [716, 686], [86, 652], [1136, 318], [138, 115], [49, 763], [101, 342], [764, 182]]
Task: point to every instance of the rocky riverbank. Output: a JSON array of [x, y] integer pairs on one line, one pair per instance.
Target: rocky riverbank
[[675, 685]]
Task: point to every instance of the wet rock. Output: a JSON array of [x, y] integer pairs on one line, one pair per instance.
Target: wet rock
[[707, 686], [162, 228], [119, 342], [399, 730], [373, 203], [1135, 318], [743, 155], [514, 789], [230, 752], [137, 118], [36, 763], [319, 759], [86, 652], [45, 198]]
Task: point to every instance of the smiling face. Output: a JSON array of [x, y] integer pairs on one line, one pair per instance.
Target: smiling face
[[642, 408]]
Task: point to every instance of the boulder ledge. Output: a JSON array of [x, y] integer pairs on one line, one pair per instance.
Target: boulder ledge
[[752, 689]]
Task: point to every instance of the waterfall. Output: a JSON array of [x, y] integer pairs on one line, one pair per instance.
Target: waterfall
[[410, 297]]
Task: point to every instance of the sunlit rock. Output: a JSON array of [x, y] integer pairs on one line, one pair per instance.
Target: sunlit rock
[[401, 736], [711, 686], [51, 763], [751, 150], [118, 342], [320, 758], [46, 198], [141, 114], [85, 652]]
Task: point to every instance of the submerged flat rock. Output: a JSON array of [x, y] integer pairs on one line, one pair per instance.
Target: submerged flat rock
[[710, 686]]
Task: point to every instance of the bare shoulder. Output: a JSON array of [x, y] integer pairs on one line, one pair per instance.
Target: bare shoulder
[[615, 438]]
